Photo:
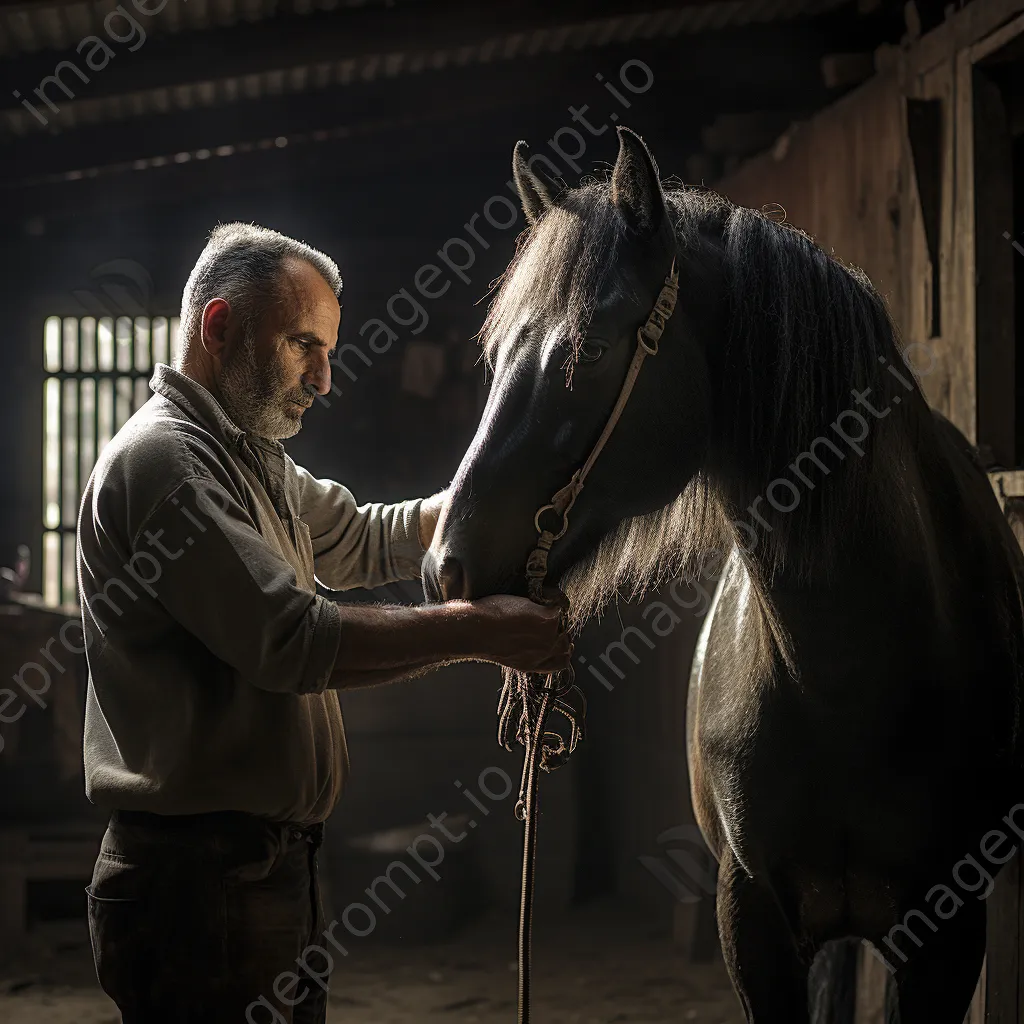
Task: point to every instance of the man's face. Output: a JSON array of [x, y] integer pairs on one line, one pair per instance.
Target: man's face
[[272, 377]]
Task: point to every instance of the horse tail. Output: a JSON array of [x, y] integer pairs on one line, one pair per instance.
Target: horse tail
[[832, 986]]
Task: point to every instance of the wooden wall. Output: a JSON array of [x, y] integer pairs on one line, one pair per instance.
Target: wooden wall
[[849, 178]]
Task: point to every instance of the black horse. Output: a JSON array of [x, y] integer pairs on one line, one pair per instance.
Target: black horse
[[854, 714]]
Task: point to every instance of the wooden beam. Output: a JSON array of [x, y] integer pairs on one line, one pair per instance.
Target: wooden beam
[[405, 36], [778, 69], [476, 148], [394, 42]]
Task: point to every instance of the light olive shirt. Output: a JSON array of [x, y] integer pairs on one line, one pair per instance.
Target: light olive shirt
[[209, 649]]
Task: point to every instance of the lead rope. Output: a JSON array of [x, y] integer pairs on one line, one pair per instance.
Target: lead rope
[[535, 696]]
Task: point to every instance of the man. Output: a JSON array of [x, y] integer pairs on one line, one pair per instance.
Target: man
[[213, 731]]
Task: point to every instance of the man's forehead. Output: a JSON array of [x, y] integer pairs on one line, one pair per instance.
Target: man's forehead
[[305, 295]]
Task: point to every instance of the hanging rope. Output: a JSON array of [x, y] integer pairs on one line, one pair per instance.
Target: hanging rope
[[523, 709]]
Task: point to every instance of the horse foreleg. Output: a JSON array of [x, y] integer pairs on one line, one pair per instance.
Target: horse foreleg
[[936, 983], [760, 950]]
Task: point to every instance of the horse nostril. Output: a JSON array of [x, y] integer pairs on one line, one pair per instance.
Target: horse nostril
[[452, 579]]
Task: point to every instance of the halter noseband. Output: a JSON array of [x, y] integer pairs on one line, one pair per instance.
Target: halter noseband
[[647, 339]]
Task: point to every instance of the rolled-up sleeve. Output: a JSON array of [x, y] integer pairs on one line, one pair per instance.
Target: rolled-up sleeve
[[359, 545], [209, 567]]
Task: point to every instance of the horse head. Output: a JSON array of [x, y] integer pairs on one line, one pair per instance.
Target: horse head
[[559, 338]]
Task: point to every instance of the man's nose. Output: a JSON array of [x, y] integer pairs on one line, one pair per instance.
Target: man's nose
[[319, 377]]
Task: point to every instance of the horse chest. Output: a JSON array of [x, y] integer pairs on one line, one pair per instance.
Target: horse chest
[[818, 764]]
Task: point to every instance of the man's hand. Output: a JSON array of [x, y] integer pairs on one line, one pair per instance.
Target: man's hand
[[383, 644], [521, 634]]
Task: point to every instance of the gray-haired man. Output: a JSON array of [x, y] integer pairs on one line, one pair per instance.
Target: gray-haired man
[[213, 731]]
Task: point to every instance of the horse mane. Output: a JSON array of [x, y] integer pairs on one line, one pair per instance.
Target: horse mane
[[804, 331]]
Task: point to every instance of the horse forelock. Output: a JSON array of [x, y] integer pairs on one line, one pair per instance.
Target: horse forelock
[[560, 270]]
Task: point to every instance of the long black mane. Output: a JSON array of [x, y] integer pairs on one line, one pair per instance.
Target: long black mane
[[803, 331]]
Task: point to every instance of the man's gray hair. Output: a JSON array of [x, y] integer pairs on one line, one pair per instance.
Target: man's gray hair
[[242, 263]]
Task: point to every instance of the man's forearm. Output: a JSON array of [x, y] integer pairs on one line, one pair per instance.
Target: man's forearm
[[387, 643]]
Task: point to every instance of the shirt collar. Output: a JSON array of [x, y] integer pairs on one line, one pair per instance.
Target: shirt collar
[[202, 407]]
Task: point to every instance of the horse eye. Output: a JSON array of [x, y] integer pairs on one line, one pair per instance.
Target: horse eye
[[591, 351]]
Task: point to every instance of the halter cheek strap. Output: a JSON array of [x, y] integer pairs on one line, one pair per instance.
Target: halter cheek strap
[[647, 340], [526, 701]]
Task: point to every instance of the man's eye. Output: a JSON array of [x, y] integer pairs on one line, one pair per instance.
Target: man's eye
[[591, 351]]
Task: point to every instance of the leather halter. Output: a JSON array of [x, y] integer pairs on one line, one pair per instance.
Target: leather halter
[[647, 339]]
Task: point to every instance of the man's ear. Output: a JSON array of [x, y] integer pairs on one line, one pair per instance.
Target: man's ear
[[636, 190], [214, 327], [537, 189]]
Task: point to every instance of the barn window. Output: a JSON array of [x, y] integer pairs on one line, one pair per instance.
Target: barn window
[[97, 375]]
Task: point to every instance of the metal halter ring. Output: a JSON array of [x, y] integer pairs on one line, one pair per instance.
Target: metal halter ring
[[650, 347], [540, 529]]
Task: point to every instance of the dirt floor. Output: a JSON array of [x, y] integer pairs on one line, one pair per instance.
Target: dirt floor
[[589, 971]]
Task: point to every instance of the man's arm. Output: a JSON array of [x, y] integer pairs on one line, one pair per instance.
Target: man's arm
[[359, 545], [383, 644], [217, 577]]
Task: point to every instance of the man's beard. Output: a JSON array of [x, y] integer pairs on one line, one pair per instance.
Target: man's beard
[[258, 397]]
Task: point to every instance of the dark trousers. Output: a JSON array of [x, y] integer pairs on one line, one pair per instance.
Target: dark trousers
[[208, 919]]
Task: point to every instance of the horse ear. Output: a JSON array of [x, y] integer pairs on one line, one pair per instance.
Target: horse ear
[[537, 189], [636, 190]]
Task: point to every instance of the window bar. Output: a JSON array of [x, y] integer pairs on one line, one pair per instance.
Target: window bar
[[105, 344], [124, 344], [51, 452], [59, 390], [104, 413], [70, 336], [175, 341], [122, 402], [69, 413], [51, 345], [86, 431], [51, 563], [161, 352], [87, 358]]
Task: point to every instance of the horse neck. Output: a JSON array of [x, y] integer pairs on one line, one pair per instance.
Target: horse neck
[[852, 495]]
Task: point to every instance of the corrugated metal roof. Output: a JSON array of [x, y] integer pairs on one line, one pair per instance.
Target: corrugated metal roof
[[302, 78]]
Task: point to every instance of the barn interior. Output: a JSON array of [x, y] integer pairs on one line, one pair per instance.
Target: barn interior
[[381, 132]]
